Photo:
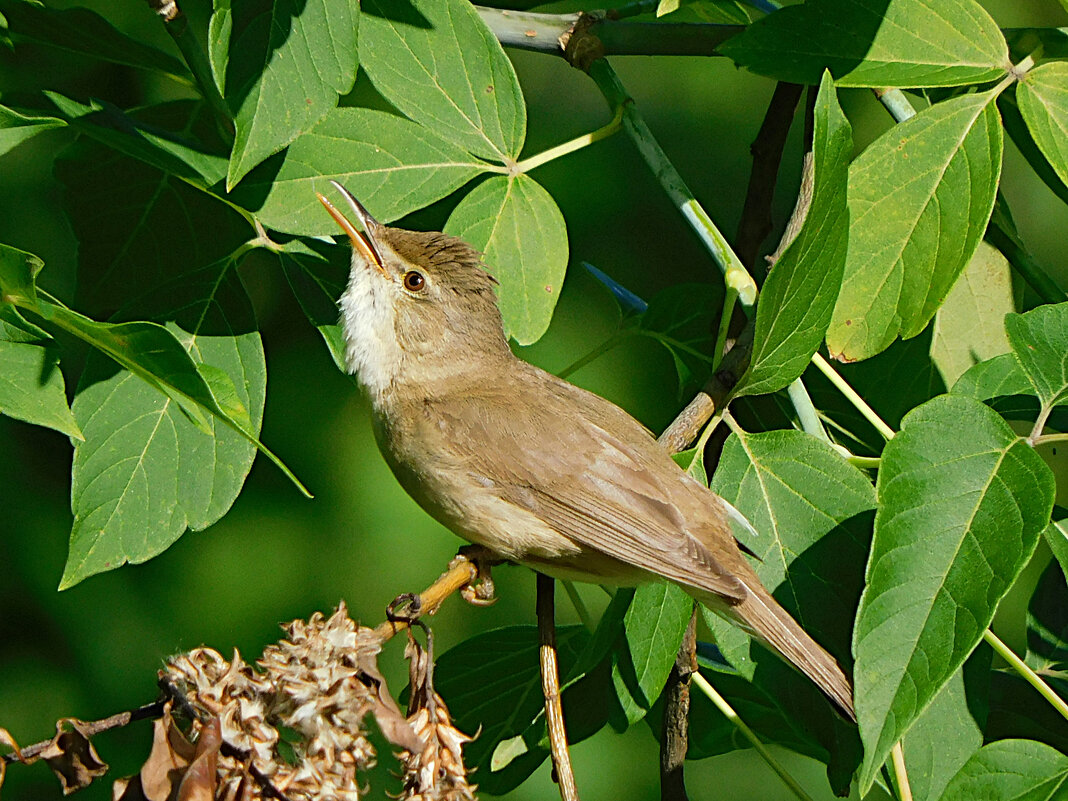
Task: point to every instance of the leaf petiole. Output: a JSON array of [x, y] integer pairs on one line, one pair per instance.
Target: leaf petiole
[[579, 142], [852, 396], [1027, 673]]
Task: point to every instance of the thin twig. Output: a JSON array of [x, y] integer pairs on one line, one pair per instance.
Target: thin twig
[[550, 685], [461, 573], [750, 735], [767, 150], [674, 740], [90, 729], [1027, 673], [897, 756]]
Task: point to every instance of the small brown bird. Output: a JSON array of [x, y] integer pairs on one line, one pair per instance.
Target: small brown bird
[[519, 461]]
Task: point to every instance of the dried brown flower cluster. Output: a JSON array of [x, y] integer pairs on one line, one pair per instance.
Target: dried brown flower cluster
[[320, 683], [435, 772], [292, 727]]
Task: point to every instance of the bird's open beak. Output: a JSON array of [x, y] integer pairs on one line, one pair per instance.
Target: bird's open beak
[[365, 247]]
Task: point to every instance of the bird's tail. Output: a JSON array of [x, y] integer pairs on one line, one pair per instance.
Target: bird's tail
[[763, 617]]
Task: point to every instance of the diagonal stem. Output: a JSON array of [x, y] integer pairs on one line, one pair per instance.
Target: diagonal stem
[[1027, 673]]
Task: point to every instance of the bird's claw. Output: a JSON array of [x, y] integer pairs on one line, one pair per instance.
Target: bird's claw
[[405, 608], [480, 591]]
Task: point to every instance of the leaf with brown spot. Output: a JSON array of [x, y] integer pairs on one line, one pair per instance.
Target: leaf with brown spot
[[72, 756]]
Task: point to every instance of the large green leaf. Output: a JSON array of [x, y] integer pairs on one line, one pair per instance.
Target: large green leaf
[[969, 327], [654, 625], [1039, 340], [812, 510], [1022, 770], [521, 233], [145, 472], [31, 387], [1047, 622], [1043, 99], [920, 197], [138, 227], [876, 43], [16, 128], [391, 164], [437, 62], [798, 298], [962, 501], [288, 62], [82, 31], [146, 139], [492, 685], [317, 274]]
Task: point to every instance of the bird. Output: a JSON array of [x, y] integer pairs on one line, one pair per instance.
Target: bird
[[527, 465]]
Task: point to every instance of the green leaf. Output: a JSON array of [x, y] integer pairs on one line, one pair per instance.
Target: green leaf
[[920, 197], [82, 31], [682, 318], [155, 146], [440, 65], [1017, 711], [654, 625], [812, 510], [16, 128], [1039, 340], [962, 500], [145, 472], [18, 276], [722, 12], [288, 62], [220, 29], [492, 685], [950, 731], [798, 298], [1047, 621], [1056, 534], [317, 274], [16, 328], [996, 377], [969, 327], [1023, 770], [1043, 99], [1022, 137], [31, 387], [391, 164], [521, 233], [138, 227], [875, 43]]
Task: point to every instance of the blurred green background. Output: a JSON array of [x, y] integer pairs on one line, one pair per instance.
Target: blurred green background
[[94, 650]]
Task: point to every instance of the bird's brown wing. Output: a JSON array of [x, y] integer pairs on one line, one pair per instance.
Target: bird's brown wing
[[593, 474]]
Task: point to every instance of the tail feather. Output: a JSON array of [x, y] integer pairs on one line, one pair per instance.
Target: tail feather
[[768, 621]]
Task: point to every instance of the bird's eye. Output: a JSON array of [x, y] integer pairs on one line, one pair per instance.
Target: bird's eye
[[414, 281]]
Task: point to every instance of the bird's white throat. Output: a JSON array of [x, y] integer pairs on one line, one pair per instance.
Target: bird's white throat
[[367, 320]]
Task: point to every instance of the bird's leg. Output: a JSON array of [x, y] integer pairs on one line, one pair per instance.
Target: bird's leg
[[479, 592], [405, 608]]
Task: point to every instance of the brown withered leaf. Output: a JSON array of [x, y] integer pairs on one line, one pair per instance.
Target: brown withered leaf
[[163, 770], [72, 756], [391, 721], [200, 780], [9, 741]]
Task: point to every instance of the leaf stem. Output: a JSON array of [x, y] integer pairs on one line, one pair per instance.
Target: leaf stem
[[1047, 439], [734, 272], [896, 103], [579, 142], [904, 789], [580, 605], [871, 462], [730, 297], [1025, 671], [729, 713], [806, 410], [852, 396], [1040, 423], [597, 352]]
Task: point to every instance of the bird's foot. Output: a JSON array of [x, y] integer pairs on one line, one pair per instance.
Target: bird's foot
[[479, 592], [405, 608]]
